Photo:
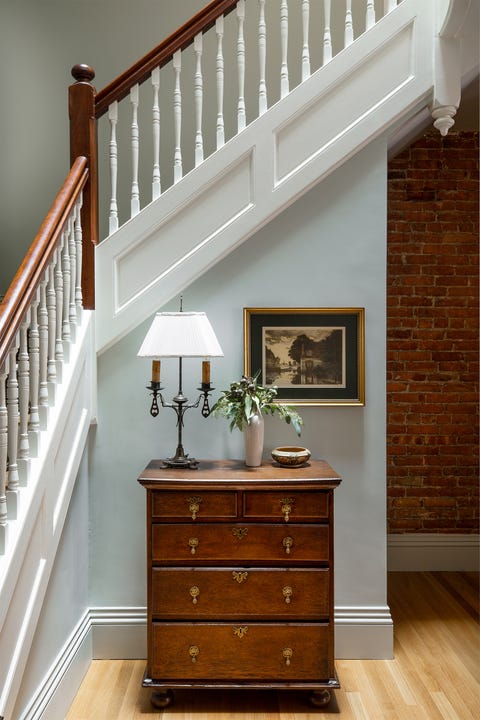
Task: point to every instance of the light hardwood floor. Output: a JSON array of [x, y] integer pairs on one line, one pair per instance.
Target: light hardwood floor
[[435, 673]]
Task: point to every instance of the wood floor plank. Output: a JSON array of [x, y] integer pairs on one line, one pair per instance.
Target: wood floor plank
[[435, 674]]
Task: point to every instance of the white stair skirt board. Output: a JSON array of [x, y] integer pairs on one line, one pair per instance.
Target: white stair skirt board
[[421, 552], [323, 122]]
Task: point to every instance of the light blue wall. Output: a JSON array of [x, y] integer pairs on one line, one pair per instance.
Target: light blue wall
[[327, 250]]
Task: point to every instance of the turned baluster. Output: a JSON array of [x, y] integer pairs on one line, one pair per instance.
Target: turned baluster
[[241, 111], [79, 246], [3, 455], [262, 54], [389, 5], [72, 251], [198, 98], [59, 310], [284, 81], [305, 44], [12, 410], [43, 355], [370, 15], [23, 400], [327, 38], [156, 184], [113, 155], [348, 34], [66, 274], [135, 199], [52, 321], [219, 25], [177, 117], [34, 348]]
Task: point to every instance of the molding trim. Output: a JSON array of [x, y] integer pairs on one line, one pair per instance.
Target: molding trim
[[363, 632], [64, 676], [423, 552]]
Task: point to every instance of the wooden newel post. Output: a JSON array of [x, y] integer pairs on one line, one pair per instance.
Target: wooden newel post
[[83, 142]]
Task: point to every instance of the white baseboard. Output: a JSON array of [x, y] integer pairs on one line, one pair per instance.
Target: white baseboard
[[363, 633], [119, 633], [56, 692], [421, 552]]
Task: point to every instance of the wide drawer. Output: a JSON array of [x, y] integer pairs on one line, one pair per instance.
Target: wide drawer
[[288, 505], [262, 593], [239, 544], [194, 505], [240, 652]]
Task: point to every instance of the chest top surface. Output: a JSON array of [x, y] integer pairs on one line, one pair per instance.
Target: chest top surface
[[235, 472]]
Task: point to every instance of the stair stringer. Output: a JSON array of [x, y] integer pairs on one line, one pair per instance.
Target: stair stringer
[[385, 75]]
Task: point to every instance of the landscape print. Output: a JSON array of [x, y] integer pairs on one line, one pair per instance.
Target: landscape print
[[299, 357]]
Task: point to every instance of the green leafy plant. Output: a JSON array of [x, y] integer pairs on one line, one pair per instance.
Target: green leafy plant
[[246, 397]]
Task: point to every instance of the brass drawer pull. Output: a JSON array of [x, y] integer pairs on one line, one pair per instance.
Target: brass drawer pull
[[287, 593], [240, 577], [240, 533], [193, 544], [194, 652], [194, 505], [287, 506], [194, 592], [287, 544], [287, 655], [241, 631]]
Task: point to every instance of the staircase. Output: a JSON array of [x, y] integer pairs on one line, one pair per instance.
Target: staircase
[[225, 174]]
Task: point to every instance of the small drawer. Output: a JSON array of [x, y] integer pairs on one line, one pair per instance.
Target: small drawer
[[290, 505], [260, 545], [240, 593], [194, 505], [243, 651]]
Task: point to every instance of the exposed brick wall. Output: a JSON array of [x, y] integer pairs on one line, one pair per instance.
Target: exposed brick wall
[[432, 336]]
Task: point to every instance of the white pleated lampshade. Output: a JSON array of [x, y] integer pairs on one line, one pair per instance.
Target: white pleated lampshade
[[180, 334]]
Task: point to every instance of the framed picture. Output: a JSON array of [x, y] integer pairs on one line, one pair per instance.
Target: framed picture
[[315, 356]]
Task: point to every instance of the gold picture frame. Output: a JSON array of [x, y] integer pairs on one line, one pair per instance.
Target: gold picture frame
[[314, 356]]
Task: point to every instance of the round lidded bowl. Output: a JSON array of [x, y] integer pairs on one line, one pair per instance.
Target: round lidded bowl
[[291, 456]]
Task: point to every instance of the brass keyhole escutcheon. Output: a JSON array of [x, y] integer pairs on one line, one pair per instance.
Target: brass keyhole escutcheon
[[239, 576], [287, 544], [240, 533], [193, 544], [287, 655], [194, 593], [194, 652], [287, 593], [287, 506], [194, 505], [241, 631]]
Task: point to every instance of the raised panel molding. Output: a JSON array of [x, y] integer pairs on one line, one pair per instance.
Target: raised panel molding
[[365, 89]]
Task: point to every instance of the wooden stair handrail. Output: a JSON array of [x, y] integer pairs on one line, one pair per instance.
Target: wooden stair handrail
[[27, 279], [160, 55]]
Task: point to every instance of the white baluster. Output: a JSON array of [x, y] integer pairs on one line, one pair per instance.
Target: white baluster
[[241, 112], [156, 185], [135, 199], [23, 400], [177, 117], [284, 81], [370, 14], [52, 321], [43, 338], [348, 36], [72, 249], [66, 273], [3, 457], [59, 310], [34, 346], [198, 97], [78, 245], [12, 410], [327, 37], [113, 215], [219, 25], [262, 54], [389, 5], [305, 45]]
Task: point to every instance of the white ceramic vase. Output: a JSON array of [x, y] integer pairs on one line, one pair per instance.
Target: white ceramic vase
[[253, 441]]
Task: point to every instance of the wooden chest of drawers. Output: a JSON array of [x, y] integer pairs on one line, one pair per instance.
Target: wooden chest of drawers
[[240, 577]]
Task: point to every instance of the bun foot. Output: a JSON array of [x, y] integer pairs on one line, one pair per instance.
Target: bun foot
[[319, 698], [161, 698]]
